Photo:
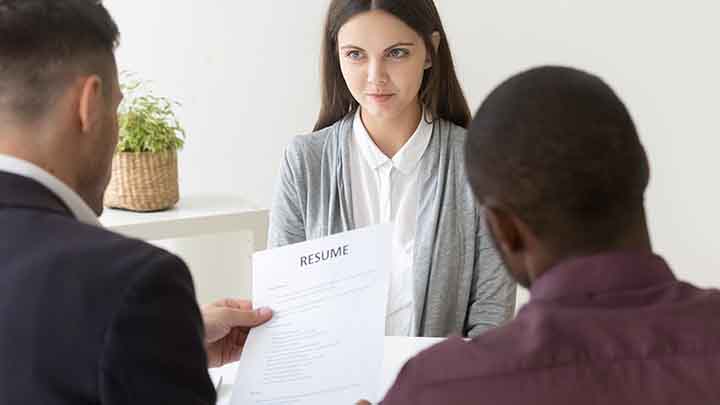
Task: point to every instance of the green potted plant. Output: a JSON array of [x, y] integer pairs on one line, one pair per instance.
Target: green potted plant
[[144, 168]]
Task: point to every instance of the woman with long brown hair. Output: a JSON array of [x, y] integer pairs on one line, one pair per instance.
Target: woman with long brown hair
[[388, 147]]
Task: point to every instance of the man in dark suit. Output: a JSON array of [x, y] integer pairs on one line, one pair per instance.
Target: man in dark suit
[[86, 316]]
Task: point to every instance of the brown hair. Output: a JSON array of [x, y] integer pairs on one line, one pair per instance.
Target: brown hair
[[440, 91]]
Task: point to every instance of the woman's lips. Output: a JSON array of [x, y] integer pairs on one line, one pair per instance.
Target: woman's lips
[[380, 98]]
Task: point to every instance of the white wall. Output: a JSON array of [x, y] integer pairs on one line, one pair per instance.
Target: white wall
[[247, 73]]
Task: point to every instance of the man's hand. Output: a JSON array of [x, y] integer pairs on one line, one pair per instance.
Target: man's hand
[[227, 324]]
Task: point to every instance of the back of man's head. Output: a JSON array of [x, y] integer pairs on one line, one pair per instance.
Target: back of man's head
[[44, 44], [557, 147]]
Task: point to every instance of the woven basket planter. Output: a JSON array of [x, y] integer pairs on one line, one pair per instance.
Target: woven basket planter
[[145, 181]]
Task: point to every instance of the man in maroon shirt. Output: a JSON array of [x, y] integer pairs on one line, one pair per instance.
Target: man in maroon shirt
[[553, 156]]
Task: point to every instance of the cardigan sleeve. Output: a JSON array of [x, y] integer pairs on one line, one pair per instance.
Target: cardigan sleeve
[[492, 296], [287, 217]]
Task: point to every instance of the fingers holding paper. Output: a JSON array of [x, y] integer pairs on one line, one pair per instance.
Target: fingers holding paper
[[227, 324]]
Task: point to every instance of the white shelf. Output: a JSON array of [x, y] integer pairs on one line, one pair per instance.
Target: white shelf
[[194, 215]]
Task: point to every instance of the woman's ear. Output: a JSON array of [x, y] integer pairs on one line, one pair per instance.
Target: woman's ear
[[435, 39]]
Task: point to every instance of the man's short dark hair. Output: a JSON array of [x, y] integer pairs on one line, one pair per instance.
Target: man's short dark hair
[[43, 43], [559, 147]]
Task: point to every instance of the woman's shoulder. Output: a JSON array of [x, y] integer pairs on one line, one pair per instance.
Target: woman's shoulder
[[455, 131], [308, 142], [313, 143], [454, 135], [308, 152]]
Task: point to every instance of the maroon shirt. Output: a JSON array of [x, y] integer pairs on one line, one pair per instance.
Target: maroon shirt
[[608, 329]]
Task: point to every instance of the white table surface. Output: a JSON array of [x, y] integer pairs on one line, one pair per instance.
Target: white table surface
[[194, 215], [397, 351]]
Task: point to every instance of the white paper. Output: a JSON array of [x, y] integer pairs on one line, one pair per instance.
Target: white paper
[[324, 344]]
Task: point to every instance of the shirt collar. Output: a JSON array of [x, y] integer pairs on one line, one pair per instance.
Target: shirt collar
[[602, 273], [406, 159], [70, 198]]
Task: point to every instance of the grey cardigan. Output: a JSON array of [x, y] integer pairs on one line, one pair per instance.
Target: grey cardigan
[[460, 286]]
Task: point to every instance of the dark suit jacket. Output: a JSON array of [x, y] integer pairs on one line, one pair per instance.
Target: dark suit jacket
[[88, 316]]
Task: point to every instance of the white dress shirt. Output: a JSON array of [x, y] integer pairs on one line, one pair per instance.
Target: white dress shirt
[[68, 196], [386, 190]]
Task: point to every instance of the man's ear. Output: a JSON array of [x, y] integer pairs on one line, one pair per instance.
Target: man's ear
[[91, 102], [435, 39], [505, 228]]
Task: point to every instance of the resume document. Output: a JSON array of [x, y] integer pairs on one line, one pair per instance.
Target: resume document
[[325, 341]]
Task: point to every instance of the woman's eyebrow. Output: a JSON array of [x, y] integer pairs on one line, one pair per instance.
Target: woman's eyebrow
[[395, 45]]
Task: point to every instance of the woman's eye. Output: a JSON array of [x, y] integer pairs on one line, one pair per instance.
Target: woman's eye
[[353, 55], [398, 53]]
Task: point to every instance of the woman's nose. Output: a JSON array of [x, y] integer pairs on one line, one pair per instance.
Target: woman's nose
[[377, 73]]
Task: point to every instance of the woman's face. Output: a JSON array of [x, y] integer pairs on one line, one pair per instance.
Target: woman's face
[[382, 61]]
